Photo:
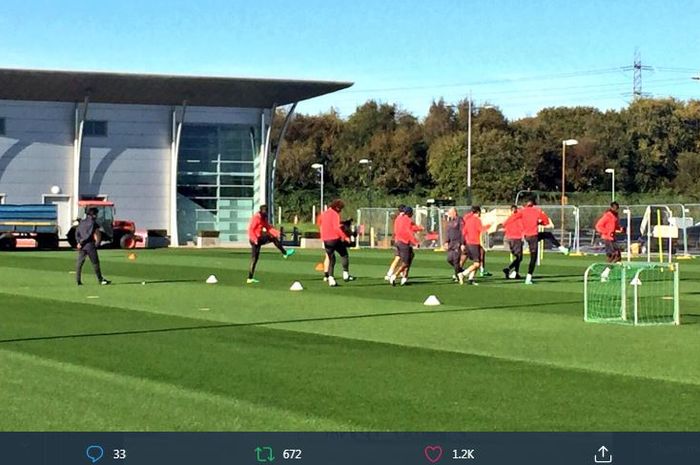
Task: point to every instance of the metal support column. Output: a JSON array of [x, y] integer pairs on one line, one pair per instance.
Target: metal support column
[[176, 134], [271, 162], [80, 115]]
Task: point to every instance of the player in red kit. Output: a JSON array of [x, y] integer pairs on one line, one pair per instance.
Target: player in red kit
[[532, 218], [261, 232], [335, 240], [473, 228], [404, 235], [513, 232], [607, 226]]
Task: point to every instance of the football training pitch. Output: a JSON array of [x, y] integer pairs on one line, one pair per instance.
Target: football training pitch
[[179, 354]]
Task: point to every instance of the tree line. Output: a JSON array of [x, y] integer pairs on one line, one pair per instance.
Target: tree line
[[653, 145]]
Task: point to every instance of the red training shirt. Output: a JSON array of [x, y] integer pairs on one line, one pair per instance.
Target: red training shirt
[[608, 225], [256, 226], [532, 217], [473, 229], [330, 226], [404, 230], [513, 227]]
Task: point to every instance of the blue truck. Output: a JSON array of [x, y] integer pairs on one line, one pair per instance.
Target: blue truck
[[38, 222]]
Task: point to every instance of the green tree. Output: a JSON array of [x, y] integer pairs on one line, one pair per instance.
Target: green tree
[[688, 180], [447, 165], [498, 164], [440, 121], [658, 134]]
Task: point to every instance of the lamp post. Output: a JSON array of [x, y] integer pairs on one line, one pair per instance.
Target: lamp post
[[368, 162], [469, 152], [564, 144], [470, 109], [319, 167], [612, 171]]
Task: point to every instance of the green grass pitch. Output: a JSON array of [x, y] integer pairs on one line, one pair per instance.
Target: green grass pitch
[[179, 354]]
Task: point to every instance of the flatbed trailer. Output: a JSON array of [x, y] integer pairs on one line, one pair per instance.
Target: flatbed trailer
[[38, 222]]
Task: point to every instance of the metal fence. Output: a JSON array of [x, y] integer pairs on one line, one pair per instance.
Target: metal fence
[[574, 227]]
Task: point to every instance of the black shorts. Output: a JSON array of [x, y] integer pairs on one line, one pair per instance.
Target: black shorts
[[396, 250], [336, 245], [611, 247], [515, 246], [405, 252], [262, 240], [454, 255], [474, 252]]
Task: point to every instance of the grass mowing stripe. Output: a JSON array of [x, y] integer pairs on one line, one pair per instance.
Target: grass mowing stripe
[[295, 365], [140, 347], [412, 389], [30, 385], [112, 321], [317, 293], [236, 263], [33, 308], [547, 333], [594, 363]]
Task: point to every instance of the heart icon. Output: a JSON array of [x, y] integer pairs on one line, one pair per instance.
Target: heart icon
[[433, 453]]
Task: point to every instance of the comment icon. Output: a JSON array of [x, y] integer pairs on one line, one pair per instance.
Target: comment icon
[[94, 453]]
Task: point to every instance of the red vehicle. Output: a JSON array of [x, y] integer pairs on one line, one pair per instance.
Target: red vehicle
[[118, 233]]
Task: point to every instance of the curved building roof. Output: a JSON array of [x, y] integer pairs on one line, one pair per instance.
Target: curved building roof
[[156, 89]]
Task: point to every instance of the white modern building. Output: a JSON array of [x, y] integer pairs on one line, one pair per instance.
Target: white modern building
[[175, 153]]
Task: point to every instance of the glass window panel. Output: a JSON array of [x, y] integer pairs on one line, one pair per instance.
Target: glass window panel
[[95, 128], [236, 180], [236, 155], [197, 191], [205, 215], [195, 152], [197, 178], [236, 192], [195, 143], [211, 154], [206, 226], [206, 204], [196, 166], [236, 167]]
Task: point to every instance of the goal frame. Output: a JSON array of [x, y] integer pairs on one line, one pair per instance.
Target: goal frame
[[624, 311]]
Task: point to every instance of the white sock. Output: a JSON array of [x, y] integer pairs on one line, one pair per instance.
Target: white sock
[[513, 274], [528, 277], [345, 275], [471, 275]]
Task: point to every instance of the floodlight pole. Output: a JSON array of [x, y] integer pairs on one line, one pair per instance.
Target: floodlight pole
[[612, 171], [319, 167], [368, 162], [564, 143], [469, 151]]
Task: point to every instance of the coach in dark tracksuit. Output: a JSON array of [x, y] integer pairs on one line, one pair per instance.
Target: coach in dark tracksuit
[[87, 234]]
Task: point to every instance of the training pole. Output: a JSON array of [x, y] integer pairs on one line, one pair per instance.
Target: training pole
[[658, 233], [629, 235]]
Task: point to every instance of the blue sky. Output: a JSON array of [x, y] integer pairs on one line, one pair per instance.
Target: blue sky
[[521, 55]]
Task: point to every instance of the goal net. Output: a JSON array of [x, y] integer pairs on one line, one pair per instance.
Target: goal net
[[639, 293]]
